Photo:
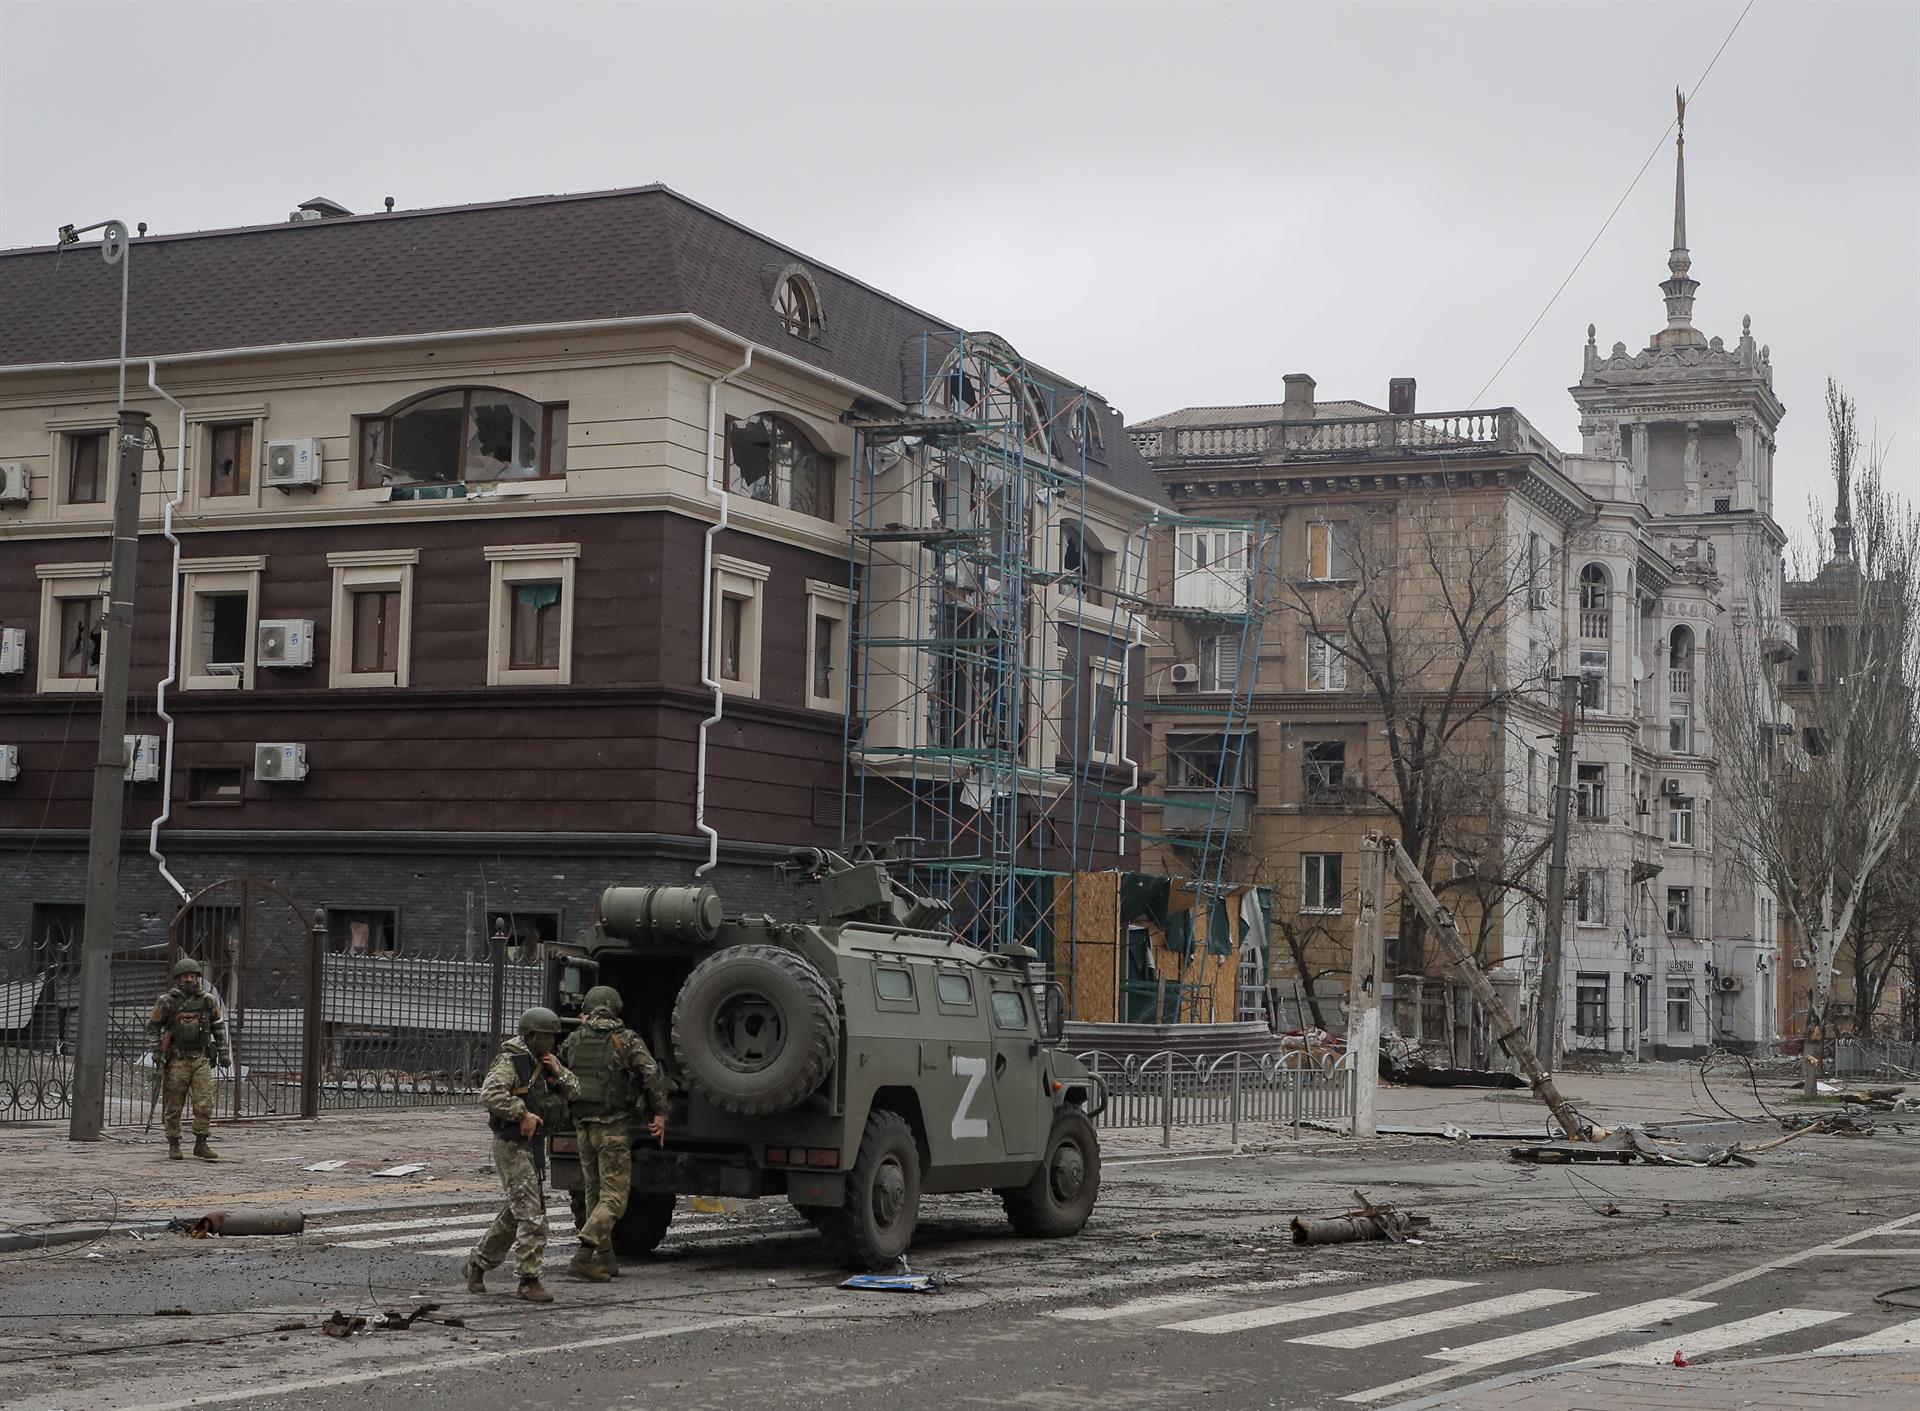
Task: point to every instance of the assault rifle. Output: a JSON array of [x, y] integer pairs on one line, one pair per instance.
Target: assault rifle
[[159, 1077]]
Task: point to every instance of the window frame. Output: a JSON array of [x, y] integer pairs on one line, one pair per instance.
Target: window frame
[[1677, 808], [1597, 675], [1106, 674], [339, 941], [1323, 780], [746, 581], [801, 316], [514, 564], [1019, 998], [553, 447], [197, 776], [1679, 908], [1590, 792], [69, 446], [830, 601], [1313, 883], [1585, 983], [363, 570], [1329, 551], [1589, 889], [210, 432], [826, 468], [213, 578], [1680, 997], [1207, 658], [1182, 760], [969, 1005], [1332, 671], [60, 583]]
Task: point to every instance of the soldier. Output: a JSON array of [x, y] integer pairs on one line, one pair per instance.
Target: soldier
[[616, 1071], [188, 1031], [525, 1090]]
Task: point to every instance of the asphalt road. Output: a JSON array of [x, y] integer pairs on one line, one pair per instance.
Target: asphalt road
[[1184, 1292]]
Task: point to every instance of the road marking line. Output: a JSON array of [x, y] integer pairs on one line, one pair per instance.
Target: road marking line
[[1659, 1352], [1174, 1160], [440, 1236], [1512, 1349], [477, 1359], [463, 1217], [1787, 1261], [1886, 1339], [1459, 1316], [1143, 1306], [1310, 1308]]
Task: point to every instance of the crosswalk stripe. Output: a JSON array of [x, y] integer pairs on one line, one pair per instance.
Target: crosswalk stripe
[[1142, 1307], [1459, 1316], [462, 1217], [1519, 1345], [1887, 1339], [1310, 1308], [1660, 1351], [440, 1236]]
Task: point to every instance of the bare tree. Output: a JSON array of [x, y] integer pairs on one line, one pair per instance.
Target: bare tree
[[1317, 953], [1417, 621], [1887, 927], [1814, 818]]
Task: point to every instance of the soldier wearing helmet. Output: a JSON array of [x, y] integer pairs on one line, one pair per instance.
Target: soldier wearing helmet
[[617, 1077], [525, 1091], [189, 1042]]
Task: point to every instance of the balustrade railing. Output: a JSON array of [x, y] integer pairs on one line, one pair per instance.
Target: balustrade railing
[[1336, 438]]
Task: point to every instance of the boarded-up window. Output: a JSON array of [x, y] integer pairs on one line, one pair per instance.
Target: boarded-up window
[[1329, 551], [230, 459]]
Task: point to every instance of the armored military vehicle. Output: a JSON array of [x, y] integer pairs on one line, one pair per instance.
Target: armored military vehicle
[[851, 1063]]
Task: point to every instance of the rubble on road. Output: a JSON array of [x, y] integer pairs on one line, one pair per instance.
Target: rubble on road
[[242, 1222], [1371, 1221], [1627, 1144], [1404, 1061]]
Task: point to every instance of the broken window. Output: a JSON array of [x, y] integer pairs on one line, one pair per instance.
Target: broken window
[[1592, 795], [1208, 761], [1593, 680], [770, 459], [1326, 770], [1679, 911], [1329, 551], [230, 459], [1590, 1005], [362, 930], [1590, 896], [81, 621], [798, 307], [533, 627], [223, 629], [87, 468], [1326, 661], [472, 435]]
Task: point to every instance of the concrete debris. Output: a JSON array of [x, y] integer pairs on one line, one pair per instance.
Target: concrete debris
[[1628, 1144], [326, 1165], [391, 1321], [339, 1325], [1370, 1222], [242, 1222], [404, 1169]]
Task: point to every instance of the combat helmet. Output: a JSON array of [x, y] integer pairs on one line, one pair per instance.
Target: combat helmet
[[539, 1020], [185, 965], [601, 997]]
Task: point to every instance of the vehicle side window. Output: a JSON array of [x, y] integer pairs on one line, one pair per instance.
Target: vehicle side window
[[955, 988], [893, 984], [1009, 1009]]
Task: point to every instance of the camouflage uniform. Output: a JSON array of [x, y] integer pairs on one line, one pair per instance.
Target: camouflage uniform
[[522, 1224], [611, 1060], [194, 1029]]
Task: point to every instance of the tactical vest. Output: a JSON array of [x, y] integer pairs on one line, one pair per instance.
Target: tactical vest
[[597, 1058], [190, 1024], [541, 1100]]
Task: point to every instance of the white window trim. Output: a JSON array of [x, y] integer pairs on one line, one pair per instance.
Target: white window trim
[[827, 600], [358, 569], [528, 563], [1335, 661], [1602, 922], [1210, 681], [63, 430], [209, 577], [744, 579], [1334, 550], [1107, 671], [200, 426], [1323, 910], [58, 583]]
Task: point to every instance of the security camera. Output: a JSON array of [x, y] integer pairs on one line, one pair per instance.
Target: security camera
[[68, 236]]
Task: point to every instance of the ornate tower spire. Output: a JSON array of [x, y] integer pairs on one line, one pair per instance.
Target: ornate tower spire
[[1678, 287]]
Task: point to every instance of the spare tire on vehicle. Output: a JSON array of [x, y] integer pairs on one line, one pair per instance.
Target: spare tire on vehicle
[[754, 1029]]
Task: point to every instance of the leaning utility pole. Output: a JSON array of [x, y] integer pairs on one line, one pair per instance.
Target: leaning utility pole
[[1547, 1012], [88, 1111], [1363, 992]]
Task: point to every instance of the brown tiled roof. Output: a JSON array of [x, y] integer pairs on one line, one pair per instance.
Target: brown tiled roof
[[536, 260], [1259, 411]]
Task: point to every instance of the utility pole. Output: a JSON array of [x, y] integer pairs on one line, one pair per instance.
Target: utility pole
[[1547, 1016], [89, 1103], [1363, 990]]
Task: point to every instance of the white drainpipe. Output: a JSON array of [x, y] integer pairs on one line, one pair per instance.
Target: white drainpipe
[[717, 486], [173, 631]]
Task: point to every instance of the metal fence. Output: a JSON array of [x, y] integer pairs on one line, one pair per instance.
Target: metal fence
[[1892, 1058], [1169, 1090]]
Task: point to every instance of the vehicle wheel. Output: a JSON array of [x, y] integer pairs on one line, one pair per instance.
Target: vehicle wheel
[[755, 1029], [875, 1225], [578, 1200], [817, 1215], [1060, 1197], [641, 1229]]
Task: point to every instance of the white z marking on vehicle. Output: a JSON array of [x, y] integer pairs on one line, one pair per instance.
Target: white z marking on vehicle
[[974, 1070]]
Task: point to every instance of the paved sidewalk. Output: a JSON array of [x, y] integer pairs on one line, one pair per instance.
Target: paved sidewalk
[[1888, 1380]]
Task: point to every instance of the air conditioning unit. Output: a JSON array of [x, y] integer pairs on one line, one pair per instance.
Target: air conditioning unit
[[143, 758], [1186, 673], [279, 764], [1464, 868], [13, 651], [1537, 598], [1670, 788], [285, 642], [16, 483], [294, 464], [1730, 984], [9, 763]]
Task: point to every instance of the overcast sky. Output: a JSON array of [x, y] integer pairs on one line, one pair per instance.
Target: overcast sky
[[1175, 204]]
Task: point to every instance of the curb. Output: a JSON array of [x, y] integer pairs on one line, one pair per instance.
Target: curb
[[48, 1236]]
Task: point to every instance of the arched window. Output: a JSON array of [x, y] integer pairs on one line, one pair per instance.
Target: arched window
[[1596, 611], [982, 382], [463, 435], [770, 459], [798, 306], [1680, 653]]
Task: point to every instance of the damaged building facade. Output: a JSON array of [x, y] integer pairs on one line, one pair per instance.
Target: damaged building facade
[[529, 547], [1433, 576]]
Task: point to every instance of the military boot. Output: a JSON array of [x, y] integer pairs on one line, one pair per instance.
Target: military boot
[[534, 1291], [609, 1261], [173, 1149], [203, 1151], [475, 1276], [586, 1265]]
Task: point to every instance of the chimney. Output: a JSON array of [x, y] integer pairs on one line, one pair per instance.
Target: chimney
[[1298, 405], [1400, 396]]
